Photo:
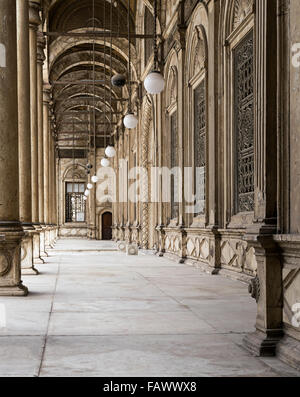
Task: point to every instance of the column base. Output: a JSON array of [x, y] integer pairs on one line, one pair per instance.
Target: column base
[[261, 344], [38, 261], [36, 246], [43, 252], [10, 260], [31, 271], [17, 290], [47, 237], [27, 262]]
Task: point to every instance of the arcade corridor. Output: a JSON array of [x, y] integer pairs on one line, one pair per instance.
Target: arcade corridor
[[149, 187]]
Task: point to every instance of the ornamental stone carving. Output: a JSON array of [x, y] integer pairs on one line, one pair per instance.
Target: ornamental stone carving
[[254, 288], [242, 8], [5, 263], [199, 51], [146, 125]]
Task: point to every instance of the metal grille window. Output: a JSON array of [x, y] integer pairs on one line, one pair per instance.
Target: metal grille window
[[200, 146], [75, 204], [244, 125], [174, 164]]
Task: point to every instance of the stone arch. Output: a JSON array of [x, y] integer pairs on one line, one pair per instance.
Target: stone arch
[[233, 14], [199, 52], [58, 47], [100, 219], [239, 12], [197, 42], [171, 78], [76, 171], [172, 86]]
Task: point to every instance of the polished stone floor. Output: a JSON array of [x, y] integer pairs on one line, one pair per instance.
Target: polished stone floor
[[94, 311]]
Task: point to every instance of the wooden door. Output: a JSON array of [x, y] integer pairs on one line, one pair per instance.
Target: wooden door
[[107, 226]]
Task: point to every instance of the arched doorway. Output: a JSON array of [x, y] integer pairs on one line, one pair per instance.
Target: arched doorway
[[106, 226]]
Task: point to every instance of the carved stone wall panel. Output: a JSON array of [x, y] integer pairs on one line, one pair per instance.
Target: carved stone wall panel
[[236, 255], [173, 243], [73, 232], [198, 248], [291, 297]]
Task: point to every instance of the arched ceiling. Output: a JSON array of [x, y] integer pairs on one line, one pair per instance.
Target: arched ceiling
[[77, 58]]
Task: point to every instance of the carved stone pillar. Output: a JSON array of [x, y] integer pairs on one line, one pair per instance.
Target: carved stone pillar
[[260, 235], [214, 203], [40, 62], [92, 203], [160, 207], [11, 231], [24, 137], [51, 190], [180, 49], [47, 164], [146, 125], [55, 178], [34, 21]]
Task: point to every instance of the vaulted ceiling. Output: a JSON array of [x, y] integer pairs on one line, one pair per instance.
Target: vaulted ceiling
[[79, 52]]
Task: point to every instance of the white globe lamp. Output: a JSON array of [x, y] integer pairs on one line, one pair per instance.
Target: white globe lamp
[[110, 151], [130, 121], [87, 193], [89, 186], [105, 162], [95, 179], [154, 83]]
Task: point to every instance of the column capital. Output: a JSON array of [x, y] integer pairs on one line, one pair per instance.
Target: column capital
[[34, 14], [46, 94], [41, 43]]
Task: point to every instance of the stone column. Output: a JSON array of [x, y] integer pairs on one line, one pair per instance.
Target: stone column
[[181, 51], [11, 231], [55, 192], [92, 201], [47, 165], [24, 136], [52, 189], [267, 287], [146, 128], [34, 22], [40, 62]]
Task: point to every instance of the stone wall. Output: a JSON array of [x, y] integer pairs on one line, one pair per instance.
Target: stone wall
[[248, 225]]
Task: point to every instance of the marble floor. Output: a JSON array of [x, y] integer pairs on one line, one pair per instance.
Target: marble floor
[[94, 311]]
